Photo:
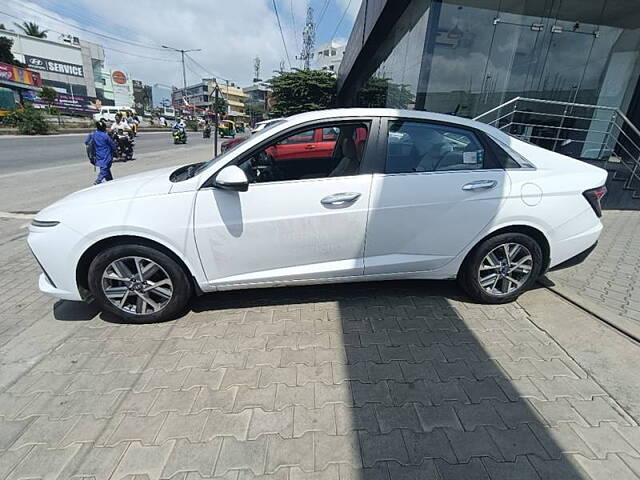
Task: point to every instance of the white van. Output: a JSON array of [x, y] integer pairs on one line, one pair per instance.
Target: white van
[[108, 113]]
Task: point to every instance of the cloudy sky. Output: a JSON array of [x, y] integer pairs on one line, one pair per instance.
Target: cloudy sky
[[230, 32]]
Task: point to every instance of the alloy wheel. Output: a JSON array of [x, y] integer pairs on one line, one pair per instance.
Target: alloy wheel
[[505, 269], [137, 285]]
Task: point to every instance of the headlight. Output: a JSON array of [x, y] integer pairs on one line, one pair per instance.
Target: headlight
[[44, 223]]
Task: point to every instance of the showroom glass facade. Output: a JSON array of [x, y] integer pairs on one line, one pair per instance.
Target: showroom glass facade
[[466, 57]]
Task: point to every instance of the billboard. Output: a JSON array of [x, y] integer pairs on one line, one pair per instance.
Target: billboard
[[73, 104], [39, 63], [15, 74]]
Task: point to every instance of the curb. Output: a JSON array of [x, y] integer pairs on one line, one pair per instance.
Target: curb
[[14, 132], [626, 326]]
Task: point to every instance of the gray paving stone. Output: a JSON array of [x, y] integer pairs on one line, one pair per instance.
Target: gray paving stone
[[432, 417], [195, 457], [180, 401], [220, 424], [444, 392], [200, 377], [342, 373], [558, 411], [11, 430], [43, 431], [178, 426], [341, 394], [610, 467], [278, 422], [562, 469], [315, 374], [287, 396], [94, 462], [240, 377], [42, 462], [256, 358], [132, 428], [419, 371], [135, 403], [236, 455], [377, 448], [215, 399], [414, 392], [143, 460], [336, 449], [270, 375], [480, 414], [87, 429], [354, 419], [392, 418], [426, 471], [434, 444], [599, 409], [520, 469], [314, 420], [332, 472], [517, 441], [605, 439], [255, 397], [474, 470], [290, 452], [291, 357], [364, 393], [472, 444]]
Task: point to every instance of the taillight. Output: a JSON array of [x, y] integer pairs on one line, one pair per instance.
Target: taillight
[[594, 196]]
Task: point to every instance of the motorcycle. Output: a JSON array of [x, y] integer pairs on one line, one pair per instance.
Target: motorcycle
[[124, 145], [179, 136], [206, 132]]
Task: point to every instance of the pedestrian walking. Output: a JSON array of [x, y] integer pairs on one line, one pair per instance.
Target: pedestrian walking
[[102, 148]]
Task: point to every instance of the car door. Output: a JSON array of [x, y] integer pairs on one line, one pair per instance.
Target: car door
[[292, 148], [282, 230], [439, 188]]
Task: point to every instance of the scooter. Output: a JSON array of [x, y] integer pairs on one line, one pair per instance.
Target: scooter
[[124, 143], [206, 132], [179, 136]]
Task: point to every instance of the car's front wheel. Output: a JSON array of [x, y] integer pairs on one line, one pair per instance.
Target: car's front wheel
[[500, 268], [139, 284]]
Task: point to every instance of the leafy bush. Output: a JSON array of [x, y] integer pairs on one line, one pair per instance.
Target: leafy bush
[[302, 91], [192, 125], [29, 121]]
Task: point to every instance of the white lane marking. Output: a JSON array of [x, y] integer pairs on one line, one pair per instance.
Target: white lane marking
[[23, 216]]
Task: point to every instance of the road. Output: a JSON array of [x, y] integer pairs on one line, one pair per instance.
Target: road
[[20, 154]]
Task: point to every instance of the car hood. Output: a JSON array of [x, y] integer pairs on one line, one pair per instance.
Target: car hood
[[154, 182]]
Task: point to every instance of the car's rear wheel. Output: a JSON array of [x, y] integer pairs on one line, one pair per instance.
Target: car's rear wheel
[[500, 268], [139, 284]]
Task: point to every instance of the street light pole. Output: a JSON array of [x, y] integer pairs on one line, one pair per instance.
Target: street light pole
[[184, 73]]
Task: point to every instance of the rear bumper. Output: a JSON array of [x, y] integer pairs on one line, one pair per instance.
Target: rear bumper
[[575, 260]]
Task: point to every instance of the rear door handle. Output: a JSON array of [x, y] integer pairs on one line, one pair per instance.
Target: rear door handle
[[340, 198], [480, 185]]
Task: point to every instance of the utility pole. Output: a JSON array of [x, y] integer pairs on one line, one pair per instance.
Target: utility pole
[[308, 40], [215, 129], [184, 73], [256, 70]]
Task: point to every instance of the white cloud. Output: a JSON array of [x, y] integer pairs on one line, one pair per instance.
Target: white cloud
[[230, 35]]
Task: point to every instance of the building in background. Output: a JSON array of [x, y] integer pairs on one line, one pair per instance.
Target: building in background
[[257, 101], [199, 98], [68, 65], [142, 98], [160, 95], [329, 56], [467, 57]]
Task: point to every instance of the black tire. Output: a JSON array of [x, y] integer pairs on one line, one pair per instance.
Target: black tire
[[469, 275], [182, 288]]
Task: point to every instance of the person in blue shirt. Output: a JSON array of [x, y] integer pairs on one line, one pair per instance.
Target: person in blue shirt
[[104, 148]]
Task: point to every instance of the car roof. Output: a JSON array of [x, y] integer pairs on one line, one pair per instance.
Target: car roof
[[392, 112]]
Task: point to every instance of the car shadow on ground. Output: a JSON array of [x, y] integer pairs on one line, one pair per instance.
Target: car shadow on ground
[[422, 384]]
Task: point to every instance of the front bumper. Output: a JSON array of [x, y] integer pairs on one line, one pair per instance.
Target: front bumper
[[45, 286]]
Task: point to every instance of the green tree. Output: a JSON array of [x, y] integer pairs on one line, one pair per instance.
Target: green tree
[[220, 107], [32, 29], [29, 121], [49, 95], [302, 91], [5, 52], [2, 26], [382, 92]]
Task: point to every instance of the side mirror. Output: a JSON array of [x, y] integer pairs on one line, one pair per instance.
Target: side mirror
[[232, 178]]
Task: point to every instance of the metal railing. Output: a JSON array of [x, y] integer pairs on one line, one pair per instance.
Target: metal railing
[[592, 133]]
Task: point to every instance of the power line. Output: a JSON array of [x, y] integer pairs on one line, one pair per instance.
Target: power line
[[104, 35], [204, 69], [340, 22], [281, 34], [105, 48], [293, 25], [324, 10]]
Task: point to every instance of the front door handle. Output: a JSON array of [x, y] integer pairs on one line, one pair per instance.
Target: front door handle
[[340, 198], [480, 185]]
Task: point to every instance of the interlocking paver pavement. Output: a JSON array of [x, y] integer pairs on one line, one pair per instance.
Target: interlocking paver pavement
[[610, 276], [381, 380]]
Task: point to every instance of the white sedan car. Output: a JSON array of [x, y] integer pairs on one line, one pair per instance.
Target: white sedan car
[[329, 196]]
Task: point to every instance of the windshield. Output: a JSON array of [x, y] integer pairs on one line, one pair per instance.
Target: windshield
[[203, 166]]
